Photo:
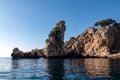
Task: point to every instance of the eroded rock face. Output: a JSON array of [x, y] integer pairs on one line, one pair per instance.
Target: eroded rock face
[[55, 42], [34, 53], [95, 42], [76, 46], [100, 43]]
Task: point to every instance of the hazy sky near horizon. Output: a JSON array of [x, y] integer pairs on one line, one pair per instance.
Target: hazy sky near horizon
[[27, 23]]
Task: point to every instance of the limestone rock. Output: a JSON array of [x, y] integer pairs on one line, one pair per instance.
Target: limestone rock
[[77, 45], [117, 55], [100, 43], [95, 42], [55, 42]]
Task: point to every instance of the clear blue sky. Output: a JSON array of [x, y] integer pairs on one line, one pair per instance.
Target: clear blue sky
[[27, 23]]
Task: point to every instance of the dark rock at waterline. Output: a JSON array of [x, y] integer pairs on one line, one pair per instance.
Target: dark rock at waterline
[[17, 53], [34, 53]]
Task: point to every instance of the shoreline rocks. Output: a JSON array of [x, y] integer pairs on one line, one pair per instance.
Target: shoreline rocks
[[103, 42], [34, 53]]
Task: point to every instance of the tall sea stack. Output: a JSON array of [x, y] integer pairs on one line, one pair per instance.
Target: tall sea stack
[[55, 42]]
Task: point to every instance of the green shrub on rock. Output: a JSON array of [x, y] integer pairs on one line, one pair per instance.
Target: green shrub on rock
[[106, 22]]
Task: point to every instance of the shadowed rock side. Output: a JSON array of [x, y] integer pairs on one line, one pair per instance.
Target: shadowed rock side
[[34, 53], [103, 41], [55, 42], [17, 53]]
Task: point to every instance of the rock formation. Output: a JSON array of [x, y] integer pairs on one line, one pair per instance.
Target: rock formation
[[99, 42], [34, 53], [17, 53], [55, 43], [103, 41]]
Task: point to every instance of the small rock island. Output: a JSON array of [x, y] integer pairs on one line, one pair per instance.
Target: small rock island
[[100, 41]]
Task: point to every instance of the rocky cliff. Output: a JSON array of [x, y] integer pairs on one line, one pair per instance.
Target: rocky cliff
[[103, 41], [55, 42], [96, 42]]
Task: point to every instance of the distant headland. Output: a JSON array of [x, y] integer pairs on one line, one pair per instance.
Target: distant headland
[[101, 41]]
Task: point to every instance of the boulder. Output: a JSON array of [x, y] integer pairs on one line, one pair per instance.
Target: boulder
[[17, 53]]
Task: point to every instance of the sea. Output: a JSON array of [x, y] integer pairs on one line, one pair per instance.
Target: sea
[[60, 69]]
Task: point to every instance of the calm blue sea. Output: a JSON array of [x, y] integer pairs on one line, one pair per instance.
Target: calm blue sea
[[60, 69]]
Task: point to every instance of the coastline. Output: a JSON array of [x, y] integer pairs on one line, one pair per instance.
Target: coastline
[[101, 42]]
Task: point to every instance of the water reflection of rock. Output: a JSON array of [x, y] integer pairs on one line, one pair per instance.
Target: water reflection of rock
[[75, 69], [14, 67], [55, 68], [93, 68], [87, 68], [97, 68], [15, 64], [75, 66], [115, 69], [69, 69], [25, 69]]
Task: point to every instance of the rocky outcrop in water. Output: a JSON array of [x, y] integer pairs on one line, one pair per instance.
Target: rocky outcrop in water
[[55, 42], [34, 53], [17, 53], [103, 41]]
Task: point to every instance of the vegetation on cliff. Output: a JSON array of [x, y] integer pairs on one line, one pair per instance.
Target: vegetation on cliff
[[56, 30], [106, 22]]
